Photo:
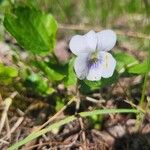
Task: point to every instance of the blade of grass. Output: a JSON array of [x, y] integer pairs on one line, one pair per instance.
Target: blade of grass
[[140, 116], [67, 120], [145, 81]]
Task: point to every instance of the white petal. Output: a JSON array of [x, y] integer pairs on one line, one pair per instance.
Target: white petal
[[108, 64], [80, 66], [106, 40], [94, 73], [83, 43]]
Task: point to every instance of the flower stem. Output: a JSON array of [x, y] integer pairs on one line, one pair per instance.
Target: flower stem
[[80, 119], [143, 90], [78, 101]]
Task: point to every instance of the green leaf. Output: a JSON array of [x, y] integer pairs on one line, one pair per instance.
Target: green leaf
[[34, 30], [1, 1], [38, 85], [52, 72], [71, 78], [59, 104], [139, 68], [124, 61], [89, 86], [7, 73]]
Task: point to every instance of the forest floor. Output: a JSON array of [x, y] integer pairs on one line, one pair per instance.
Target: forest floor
[[114, 131]]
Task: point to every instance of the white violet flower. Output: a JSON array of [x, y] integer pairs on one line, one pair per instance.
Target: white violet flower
[[93, 60]]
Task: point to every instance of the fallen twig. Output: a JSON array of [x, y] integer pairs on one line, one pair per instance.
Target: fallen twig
[[119, 32], [7, 102], [56, 115], [8, 129]]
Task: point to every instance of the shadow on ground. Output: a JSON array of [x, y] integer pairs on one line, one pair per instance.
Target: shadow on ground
[[134, 141]]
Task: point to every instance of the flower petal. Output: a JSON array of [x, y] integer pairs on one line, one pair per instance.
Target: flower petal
[[108, 64], [80, 66], [83, 43], [94, 73], [106, 40]]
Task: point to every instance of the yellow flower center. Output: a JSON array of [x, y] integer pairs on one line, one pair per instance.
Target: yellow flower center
[[93, 57]]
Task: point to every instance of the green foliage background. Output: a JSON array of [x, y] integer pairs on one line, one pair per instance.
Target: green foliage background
[[134, 13]]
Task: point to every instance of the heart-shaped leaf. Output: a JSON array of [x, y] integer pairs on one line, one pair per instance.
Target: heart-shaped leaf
[[34, 30]]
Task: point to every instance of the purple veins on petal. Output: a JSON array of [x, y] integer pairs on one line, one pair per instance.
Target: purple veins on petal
[[94, 64]]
